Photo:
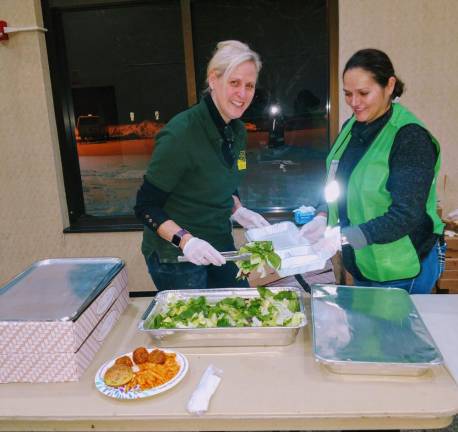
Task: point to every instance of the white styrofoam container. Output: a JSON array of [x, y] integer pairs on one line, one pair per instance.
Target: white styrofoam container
[[283, 235], [295, 252]]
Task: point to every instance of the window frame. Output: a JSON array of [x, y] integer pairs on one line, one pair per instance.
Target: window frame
[[80, 222]]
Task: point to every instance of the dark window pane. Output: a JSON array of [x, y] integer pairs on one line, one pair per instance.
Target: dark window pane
[[286, 149], [126, 67], [118, 75]]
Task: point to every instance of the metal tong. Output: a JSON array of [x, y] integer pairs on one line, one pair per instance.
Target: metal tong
[[229, 255]]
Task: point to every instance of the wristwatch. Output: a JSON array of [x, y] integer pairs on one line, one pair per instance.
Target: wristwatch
[[176, 239]]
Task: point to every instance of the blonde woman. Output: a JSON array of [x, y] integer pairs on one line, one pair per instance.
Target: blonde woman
[[189, 194]]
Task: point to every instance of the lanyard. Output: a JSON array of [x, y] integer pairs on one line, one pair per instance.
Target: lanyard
[[332, 187]]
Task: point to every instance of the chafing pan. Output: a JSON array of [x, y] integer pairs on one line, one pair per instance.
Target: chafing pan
[[366, 330], [218, 336]]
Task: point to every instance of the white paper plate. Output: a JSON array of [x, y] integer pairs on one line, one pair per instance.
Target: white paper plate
[[119, 393]]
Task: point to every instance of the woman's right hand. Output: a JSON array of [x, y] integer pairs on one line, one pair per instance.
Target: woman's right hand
[[200, 252], [313, 230]]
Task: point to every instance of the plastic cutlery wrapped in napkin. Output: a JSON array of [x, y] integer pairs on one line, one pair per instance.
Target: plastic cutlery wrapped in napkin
[[200, 398]]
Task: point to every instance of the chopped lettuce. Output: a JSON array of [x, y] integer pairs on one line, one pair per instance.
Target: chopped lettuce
[[262, 254], [268, 310]]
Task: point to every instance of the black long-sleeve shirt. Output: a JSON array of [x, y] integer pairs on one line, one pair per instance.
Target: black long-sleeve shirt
[[412, 160]]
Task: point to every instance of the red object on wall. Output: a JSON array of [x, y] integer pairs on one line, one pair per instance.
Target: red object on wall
[[3, 35]]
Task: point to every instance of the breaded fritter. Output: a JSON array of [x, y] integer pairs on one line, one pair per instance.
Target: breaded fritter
[[118, 375]]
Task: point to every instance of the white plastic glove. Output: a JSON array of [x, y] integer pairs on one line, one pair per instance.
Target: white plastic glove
[[248, 218], [313, 230], [328, 246], [201, 252]]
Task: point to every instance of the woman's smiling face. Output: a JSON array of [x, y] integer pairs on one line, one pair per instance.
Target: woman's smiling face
[[365, 96], [233, 94]]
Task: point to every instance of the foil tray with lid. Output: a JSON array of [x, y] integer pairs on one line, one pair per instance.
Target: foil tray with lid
[[369, 330], [56, 314], [218, 336]]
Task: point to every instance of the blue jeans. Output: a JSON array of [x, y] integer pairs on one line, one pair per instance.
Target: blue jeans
[[430, 271], [186, 275]]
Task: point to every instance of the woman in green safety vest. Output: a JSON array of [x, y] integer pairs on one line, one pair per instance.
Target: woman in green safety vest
[[189, 196], [381, 185]]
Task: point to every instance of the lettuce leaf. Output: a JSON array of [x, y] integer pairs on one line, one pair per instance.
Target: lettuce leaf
[[262, 255], [267, 310]]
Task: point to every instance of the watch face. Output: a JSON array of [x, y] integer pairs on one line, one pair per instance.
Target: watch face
[[176, 239]]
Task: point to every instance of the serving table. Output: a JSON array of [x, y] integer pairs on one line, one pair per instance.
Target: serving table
[[263, 388]]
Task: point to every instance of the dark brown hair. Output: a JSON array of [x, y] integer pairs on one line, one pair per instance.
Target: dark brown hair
[[379, 65]]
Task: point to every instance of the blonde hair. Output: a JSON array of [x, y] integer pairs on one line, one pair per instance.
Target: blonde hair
[[230, 54]]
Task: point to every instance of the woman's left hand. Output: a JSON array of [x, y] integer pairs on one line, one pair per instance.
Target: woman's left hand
[[248, 218]]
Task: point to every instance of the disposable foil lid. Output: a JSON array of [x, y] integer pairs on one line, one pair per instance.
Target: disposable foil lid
[[56, 289], [368, 324]]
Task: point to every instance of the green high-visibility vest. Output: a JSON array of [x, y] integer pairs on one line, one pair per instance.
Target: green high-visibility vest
[[368, 198]]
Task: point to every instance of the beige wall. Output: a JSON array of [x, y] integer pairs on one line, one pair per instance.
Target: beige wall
[[419, 35]]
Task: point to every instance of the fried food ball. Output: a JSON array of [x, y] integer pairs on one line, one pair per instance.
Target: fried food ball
[[125, 360], [118, 375], [157, 356], [140, 355]]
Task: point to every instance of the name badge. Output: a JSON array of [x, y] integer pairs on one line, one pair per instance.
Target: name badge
[[241, 161]]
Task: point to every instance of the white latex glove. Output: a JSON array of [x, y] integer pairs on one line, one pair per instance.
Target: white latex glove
[[313, 230], [201, 252], [249, 219], [328, 246]]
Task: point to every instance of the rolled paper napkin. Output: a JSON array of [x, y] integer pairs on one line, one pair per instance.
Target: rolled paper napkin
[[200, 398]]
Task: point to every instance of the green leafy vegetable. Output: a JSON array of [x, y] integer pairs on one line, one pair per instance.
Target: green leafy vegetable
[[267, 310], [262, 255]]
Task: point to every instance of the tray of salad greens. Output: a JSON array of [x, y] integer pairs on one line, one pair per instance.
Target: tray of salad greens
[[225, 317]]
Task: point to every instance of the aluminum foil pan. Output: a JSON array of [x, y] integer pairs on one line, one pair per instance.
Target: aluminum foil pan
[[218, 336], [58, 289], [362, 330]]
